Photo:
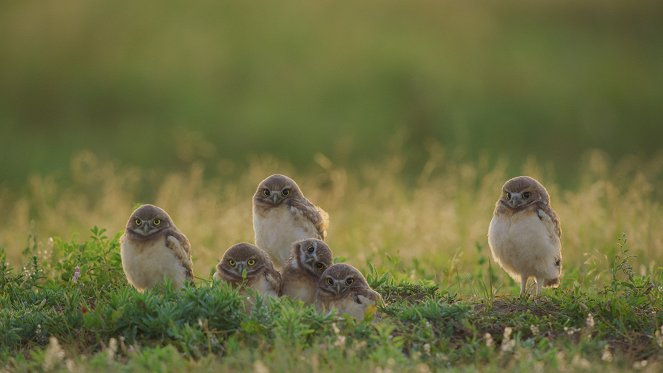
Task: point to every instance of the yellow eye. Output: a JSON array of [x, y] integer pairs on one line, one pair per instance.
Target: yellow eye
[[231, 262], [138, 222], [508, 195], [527, 195], [266, 192], [251, 262], [157, 221], [285, 192], [349, 281], [330, 281]]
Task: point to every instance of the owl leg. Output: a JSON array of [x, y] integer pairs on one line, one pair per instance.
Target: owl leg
[[523, 285], [539, 285]]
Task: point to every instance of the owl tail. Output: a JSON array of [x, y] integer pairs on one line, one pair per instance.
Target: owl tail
[[553, 283]]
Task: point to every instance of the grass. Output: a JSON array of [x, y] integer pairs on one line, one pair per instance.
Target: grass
[[53, 322], [420, 241]]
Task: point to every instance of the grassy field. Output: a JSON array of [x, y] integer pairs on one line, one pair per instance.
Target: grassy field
[[421, 242], [402, 119]]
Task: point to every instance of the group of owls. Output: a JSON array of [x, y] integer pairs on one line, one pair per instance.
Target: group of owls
[[289, 257], [524, 237]]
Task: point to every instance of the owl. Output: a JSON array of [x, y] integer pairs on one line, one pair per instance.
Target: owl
[[246, 266], [153, 249], [282, 215], [301, 274], [524, 234], [343, 288]]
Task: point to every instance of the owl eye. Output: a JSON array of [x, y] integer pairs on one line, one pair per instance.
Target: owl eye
[[138, 222], [310, 250], [231, 262], [330, 281], [251, 262], [285, 192], [508, 195], [266, 192], [157, 221], [527, 195], [349, 281], [320, 266]]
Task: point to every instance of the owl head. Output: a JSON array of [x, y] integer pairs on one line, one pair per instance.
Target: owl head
[[147, 222], [241, 262], [523, 191], [337, 280], [275, 189], [313, 255]]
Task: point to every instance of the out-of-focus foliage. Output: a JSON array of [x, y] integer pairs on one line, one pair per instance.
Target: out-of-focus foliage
[[159, 84]]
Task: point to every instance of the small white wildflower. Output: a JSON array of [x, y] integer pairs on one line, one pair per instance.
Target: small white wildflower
[[589, 321], [507, 333], [340, 341], [427, 348], [77, 275], [508, 346], [489, 340], [54, 354], [659, 337], [571, 331], [534, 329], [112, 349], [640, 364], [606, 355], [507, 343]]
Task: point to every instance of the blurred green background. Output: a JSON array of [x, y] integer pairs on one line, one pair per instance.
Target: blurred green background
[[160, 84]]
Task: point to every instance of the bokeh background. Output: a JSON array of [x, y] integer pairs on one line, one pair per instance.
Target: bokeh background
[[389, 113]]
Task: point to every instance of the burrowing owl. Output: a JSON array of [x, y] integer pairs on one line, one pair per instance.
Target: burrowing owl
[[282, 215], [343, 288], [153, 249], [246, 266], [302, 272], [524, 234]]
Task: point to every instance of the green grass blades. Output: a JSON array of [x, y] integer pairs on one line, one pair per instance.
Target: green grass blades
[[53, 320]]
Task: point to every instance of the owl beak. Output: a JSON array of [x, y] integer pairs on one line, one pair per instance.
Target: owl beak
[[515, 200], [275, 196], [310, 259], [146, 229], [337, 287]]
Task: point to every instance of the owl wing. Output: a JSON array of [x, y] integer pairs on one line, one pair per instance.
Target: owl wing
[[314, 214], [367, 296], [179, 245], [274, 279], [363, 302], [549, 218]]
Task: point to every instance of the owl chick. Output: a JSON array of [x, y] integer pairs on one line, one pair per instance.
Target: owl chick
[[302, 272], [282, 215], [343, 288], [153, 249], [246, 266], [524, 234]]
